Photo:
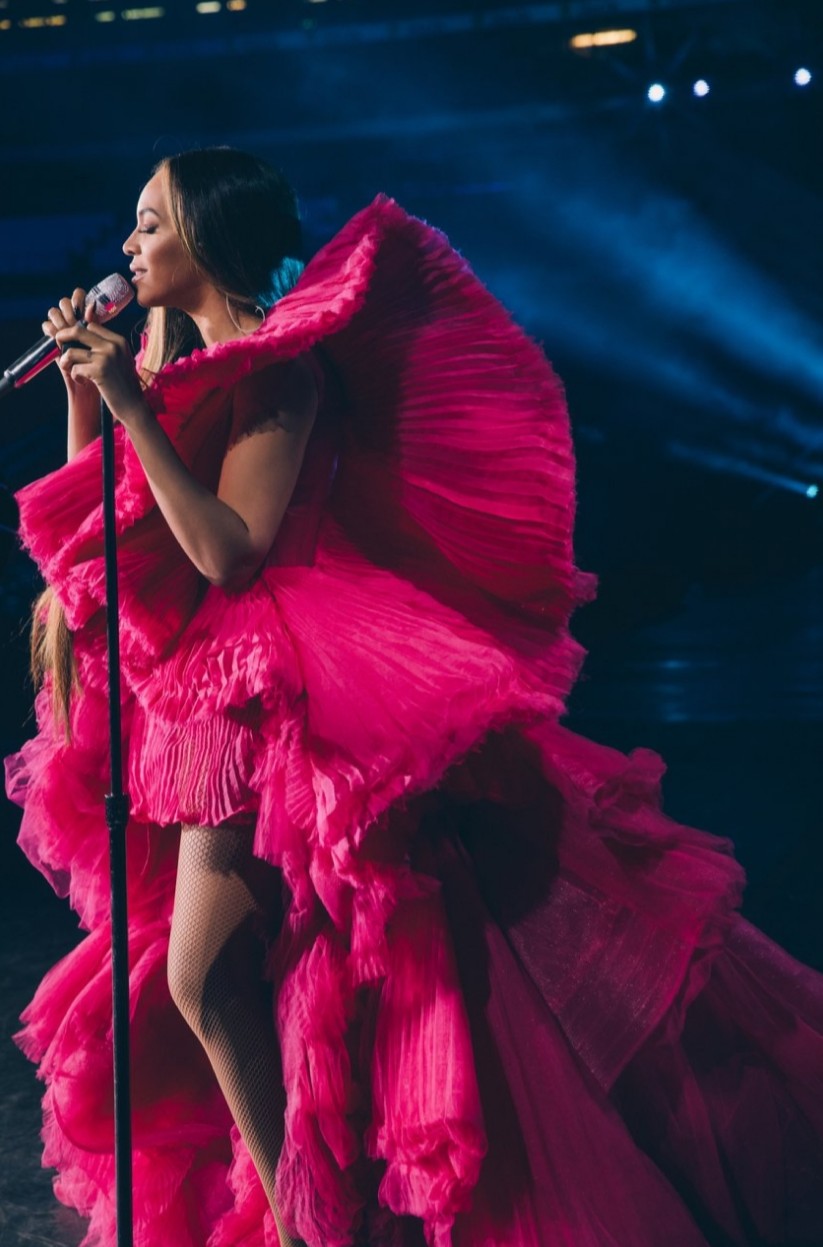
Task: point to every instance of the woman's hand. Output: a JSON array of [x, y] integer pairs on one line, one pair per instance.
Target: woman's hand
[[95, 357]]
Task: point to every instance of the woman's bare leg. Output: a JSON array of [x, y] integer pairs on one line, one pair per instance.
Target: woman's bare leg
[[224, 899]]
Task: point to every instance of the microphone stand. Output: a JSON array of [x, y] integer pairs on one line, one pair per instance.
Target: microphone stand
[[117, 817]]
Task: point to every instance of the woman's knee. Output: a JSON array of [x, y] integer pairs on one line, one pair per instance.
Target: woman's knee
[[207, 986], [224, 905], [186, 980]]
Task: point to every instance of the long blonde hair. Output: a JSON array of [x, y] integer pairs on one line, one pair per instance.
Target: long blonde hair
[[52, 653], [239, 221]]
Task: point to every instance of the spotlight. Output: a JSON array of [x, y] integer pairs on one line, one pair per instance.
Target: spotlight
[[33, 23], [812, 491], [656, 93], [602, 39], [701, 88], [803, 77]]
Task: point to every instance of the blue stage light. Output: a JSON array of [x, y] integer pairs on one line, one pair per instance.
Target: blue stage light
[[812, 491], [701, 88], [656, 93], [803, 77]]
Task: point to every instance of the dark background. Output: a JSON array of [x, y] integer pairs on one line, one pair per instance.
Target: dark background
[[668, 257]]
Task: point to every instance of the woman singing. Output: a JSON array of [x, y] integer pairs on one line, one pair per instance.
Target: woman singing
[[410, 962]]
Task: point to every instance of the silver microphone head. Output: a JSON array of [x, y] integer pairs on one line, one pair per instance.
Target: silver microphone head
[[109, 297]]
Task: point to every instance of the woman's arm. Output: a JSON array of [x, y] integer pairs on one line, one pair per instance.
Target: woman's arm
[[228, 534], [84, 424]]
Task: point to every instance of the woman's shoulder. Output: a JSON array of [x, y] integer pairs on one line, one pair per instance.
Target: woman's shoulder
[[287, 391]]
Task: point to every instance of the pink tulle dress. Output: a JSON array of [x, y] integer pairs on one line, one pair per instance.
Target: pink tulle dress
[[516, 1005]]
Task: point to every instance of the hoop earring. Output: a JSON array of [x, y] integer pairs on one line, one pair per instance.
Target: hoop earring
[[258, 311]]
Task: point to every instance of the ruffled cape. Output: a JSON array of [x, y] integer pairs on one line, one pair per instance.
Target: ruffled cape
[[495, 937]]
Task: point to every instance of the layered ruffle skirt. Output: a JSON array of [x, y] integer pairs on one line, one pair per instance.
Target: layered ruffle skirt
[[515, 1002]]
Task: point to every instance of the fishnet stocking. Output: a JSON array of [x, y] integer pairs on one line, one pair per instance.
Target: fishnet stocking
[[226, 902]]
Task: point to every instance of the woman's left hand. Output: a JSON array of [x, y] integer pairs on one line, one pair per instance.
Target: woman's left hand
[[104, 358]]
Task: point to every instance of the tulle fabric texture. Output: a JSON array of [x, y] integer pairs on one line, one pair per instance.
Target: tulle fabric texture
[[515, 1001]]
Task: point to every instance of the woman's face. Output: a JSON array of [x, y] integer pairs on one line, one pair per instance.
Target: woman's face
[[164, 274]]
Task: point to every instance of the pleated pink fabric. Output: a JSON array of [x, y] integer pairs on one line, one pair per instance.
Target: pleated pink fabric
[[516, 1005]]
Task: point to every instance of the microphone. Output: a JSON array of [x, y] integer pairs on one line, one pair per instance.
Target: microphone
[[108, 298]]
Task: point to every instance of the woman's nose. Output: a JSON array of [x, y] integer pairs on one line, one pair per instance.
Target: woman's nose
[[130, 245]]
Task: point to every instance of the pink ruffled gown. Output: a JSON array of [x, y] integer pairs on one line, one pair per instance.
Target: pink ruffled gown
[[516, 1005]]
